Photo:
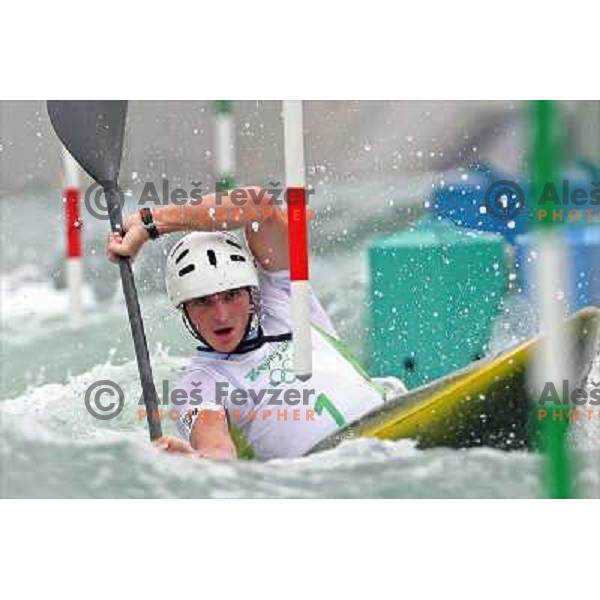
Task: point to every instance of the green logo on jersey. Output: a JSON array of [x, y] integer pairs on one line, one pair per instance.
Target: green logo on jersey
[[274, 361]]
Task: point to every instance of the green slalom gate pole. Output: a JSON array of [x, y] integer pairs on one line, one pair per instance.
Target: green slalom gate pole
[[224, 145], [553, 434]]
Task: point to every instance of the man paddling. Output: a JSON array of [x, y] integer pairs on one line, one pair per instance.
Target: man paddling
[[236, 303]]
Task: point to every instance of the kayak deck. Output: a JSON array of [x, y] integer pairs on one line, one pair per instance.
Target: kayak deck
[[485, 404]]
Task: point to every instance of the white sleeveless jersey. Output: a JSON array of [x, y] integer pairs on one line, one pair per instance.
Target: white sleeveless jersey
[[278, 415]]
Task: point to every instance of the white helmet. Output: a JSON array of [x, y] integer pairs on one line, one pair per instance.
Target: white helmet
[[204, 263]]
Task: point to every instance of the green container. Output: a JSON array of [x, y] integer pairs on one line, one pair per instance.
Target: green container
[[434, 293]]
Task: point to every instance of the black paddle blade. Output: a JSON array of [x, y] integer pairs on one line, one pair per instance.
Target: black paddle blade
[[92, 131]]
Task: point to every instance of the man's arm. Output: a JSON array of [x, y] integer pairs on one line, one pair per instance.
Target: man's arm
[[265, 227], [209, 439], [268, 242], [210, 436]]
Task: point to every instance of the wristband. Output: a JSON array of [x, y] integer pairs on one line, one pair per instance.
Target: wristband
[[148, 223]]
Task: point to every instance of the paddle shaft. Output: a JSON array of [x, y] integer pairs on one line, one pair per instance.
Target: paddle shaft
[[135, 320]]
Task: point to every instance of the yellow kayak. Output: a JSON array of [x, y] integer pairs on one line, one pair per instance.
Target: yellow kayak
[[485, 404]]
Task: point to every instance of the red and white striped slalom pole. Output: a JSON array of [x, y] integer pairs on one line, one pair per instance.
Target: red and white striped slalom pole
[[73, 264], [298, 237]]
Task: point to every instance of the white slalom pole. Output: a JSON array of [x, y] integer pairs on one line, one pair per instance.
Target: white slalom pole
[[550, 283], [73, 263], [298, 237], [553, 362], [224, 145]]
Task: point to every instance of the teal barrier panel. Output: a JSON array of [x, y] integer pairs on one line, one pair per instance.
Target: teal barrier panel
[[434, 293]]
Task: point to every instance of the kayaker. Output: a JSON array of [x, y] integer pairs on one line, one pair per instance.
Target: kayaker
[[236, 303]]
